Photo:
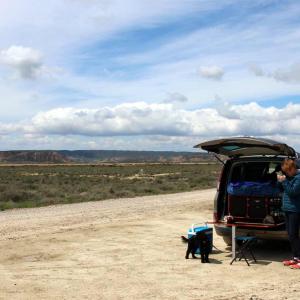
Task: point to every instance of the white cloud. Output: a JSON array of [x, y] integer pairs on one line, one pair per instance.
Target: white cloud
[[25, 61], [152, 126], [225, 109], [175, 97], [256, 70], [7, 129], [289, 74], [125, 119], [211, 72], [142, 119]]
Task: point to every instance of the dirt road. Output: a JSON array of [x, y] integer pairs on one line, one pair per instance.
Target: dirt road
[[128, 249]]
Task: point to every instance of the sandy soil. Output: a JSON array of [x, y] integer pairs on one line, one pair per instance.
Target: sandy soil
[[129, 249]]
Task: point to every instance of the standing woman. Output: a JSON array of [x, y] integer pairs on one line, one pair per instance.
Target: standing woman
[[290, 184]]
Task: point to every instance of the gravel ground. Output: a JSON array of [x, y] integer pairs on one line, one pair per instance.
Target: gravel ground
[[129, 249]]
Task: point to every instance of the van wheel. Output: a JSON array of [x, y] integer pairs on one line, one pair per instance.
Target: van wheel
[[227, 240]]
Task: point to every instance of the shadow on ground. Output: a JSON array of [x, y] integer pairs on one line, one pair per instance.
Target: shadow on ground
[[267, 252]]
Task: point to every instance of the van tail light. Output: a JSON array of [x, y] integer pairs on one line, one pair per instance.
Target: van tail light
[[219, 179]]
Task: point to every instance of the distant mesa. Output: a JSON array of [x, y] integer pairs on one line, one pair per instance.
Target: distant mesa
[[32, 157], [94, 156]]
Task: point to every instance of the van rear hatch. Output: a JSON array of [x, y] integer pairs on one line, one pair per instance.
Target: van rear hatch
[[247, 146]]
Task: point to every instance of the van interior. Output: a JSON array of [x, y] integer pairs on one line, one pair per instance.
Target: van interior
[[251, 195]]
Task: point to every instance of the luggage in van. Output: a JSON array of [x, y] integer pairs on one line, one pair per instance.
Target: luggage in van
[[237, 206], [241, 207], [250, 201], [257, 208], [251, 188]]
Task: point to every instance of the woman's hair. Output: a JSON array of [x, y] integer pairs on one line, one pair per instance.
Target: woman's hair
[[288, 164]]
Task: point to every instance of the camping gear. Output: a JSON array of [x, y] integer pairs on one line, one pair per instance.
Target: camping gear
[[251, 188], [208, 231], [255, 209], [245, 245], [237, 206]]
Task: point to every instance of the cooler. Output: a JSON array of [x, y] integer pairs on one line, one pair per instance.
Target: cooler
[[208, 231]]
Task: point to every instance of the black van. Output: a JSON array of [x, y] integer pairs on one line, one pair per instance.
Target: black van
[[247, 194]]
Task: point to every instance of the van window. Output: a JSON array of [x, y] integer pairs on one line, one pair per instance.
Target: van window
[[272, 167], [254, 171]]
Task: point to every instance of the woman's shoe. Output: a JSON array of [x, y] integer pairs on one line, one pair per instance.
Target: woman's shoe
[[295, 266], [290, 262]]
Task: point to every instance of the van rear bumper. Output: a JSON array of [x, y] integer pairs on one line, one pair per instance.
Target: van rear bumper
[[266, 234]]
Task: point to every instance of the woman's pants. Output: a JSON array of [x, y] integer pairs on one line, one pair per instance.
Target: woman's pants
[[292, 227]]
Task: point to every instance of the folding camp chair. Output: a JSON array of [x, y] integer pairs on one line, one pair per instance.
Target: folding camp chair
[[245, 244]]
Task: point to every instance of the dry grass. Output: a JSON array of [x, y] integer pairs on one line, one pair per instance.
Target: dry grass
[[35, 185]]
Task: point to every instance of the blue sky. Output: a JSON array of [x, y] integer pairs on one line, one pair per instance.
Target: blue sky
[[148, 75]]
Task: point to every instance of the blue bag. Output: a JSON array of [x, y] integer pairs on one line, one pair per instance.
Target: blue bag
[[251, 188]]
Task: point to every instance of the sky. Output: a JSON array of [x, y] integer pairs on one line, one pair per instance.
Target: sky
[[147, 74]]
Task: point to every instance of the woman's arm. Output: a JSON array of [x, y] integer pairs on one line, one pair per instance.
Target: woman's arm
[[292, 188]]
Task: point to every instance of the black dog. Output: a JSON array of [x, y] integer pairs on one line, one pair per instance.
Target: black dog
[[199, 240]]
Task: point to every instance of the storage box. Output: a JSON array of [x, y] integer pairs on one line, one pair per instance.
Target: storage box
[[251, 208], [208, 231], [237, 206]]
